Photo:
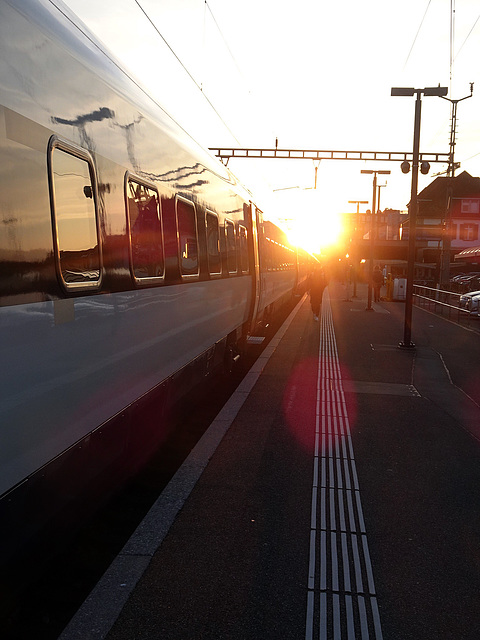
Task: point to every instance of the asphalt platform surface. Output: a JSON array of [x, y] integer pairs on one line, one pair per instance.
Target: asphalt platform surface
[[336, 496]]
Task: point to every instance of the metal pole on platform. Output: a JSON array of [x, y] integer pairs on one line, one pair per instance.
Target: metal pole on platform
[[356, 244], [372, 233], [412, 227], [372, 243], [400, 91]]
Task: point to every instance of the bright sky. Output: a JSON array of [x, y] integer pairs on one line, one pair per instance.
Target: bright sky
[[311, 73]]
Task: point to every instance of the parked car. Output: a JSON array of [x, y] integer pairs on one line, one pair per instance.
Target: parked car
[[472, 282], [473, 305], [465, 298]]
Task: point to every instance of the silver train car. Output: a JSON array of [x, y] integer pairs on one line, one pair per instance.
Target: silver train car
[[132, 265]]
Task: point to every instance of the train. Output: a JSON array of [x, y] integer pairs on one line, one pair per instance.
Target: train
[[133, 265]]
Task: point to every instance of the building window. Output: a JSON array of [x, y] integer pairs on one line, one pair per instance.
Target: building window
[[231, 246], [187, 237], [470, 205], [146, 241], [74, 215], [469, 232], [213, 243]]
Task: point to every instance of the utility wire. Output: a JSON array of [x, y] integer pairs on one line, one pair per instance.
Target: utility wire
[[469, 34], [225, 42], [470, 158], [170, 48], [416, 36], [186, 70], [234, 60]]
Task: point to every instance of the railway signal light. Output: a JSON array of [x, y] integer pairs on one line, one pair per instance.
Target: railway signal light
[[425, 168]]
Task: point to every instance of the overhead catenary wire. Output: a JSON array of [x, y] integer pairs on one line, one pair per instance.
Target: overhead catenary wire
[[241, 74], [226, 43], [199, 87], [416, 35], [469, 34]]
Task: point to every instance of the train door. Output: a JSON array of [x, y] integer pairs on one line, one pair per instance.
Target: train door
[[253, 215]]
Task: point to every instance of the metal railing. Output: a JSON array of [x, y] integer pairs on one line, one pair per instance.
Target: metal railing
[[444, 303]]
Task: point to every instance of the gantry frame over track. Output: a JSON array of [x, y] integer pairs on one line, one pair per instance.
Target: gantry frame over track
[[312, 154]]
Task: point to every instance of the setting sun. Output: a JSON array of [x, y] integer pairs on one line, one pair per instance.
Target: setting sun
[[311, 223], [316, 231]]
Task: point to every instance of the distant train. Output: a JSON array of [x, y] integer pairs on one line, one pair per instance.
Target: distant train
[[132, 265]]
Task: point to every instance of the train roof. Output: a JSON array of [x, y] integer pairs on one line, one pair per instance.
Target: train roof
[[63, 26]]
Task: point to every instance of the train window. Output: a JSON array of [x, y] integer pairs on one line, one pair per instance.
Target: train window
[[242, 237], [187, 237], [213, 243], [146, 239], [268, 255], [231, 246], [275, 259], [74, 215]]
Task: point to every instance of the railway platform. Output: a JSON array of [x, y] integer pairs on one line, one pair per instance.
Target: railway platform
[[335, 496]]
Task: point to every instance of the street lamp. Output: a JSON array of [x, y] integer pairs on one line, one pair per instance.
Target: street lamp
[[356, 242], [372, 231], [401, 91]]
